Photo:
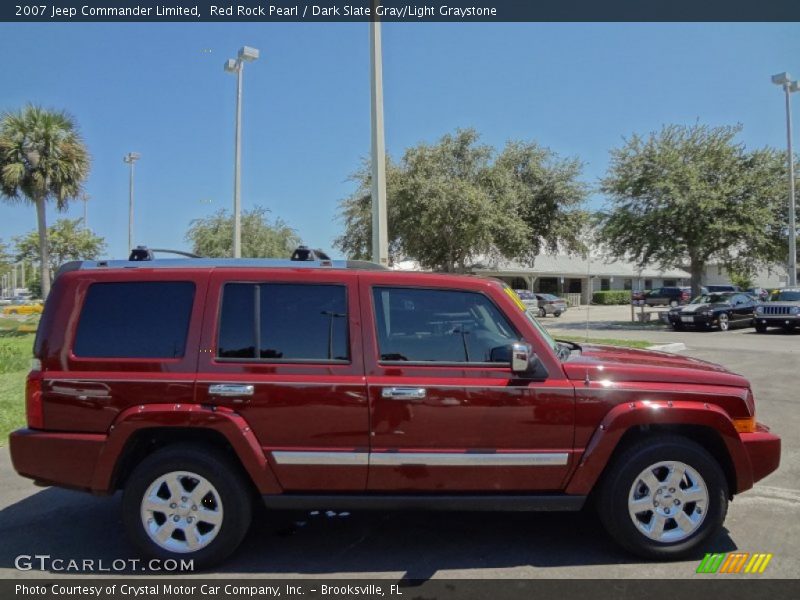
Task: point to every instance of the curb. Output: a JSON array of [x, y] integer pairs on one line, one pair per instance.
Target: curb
[[674, 347]]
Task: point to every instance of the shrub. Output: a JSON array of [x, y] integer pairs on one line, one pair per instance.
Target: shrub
[[611, 297]]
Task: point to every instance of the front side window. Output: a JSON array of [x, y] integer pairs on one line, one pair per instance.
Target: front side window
[[283, 322], [147, 319], [425, 325]]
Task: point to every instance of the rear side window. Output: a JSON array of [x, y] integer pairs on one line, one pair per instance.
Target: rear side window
[[148, 319], [284, 322], [426, 325]]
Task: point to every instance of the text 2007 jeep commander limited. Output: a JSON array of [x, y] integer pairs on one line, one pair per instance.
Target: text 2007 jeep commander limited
[[199, 385]]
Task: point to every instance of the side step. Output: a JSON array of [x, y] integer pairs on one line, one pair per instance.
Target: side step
[[496, 503]]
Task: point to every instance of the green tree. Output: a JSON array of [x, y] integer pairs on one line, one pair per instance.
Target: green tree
[[687, 196], [66, 240], [213, 236], [451, 202], [42, 158]]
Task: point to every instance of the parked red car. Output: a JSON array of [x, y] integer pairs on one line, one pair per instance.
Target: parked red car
[[198, 385]]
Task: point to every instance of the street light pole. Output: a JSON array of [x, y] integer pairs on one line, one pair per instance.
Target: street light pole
[[130, 158], [380, 236], [246, 54], [785, 81]]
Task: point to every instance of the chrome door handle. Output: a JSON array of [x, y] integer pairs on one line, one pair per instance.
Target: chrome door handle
[[403, 393], [230, 389]]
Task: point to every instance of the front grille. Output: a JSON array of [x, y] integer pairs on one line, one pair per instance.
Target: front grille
[[777, 310]]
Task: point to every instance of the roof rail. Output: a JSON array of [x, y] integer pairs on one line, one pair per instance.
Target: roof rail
[[145, 253]]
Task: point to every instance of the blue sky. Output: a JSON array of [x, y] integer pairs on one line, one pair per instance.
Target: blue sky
[[160, 89]]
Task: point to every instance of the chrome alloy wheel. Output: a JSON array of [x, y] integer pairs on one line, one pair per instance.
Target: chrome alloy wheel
[[724, 322], [668, 501], [181, 512]]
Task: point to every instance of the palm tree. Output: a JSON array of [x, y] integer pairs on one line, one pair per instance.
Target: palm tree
[[42, 157]]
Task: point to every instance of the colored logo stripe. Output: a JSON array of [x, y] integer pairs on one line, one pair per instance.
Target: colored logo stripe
[[735, 562]]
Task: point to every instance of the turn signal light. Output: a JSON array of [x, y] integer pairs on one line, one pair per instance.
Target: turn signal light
[[745, 425]]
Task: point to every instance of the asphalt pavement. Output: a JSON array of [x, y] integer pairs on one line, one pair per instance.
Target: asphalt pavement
[[413, 545]]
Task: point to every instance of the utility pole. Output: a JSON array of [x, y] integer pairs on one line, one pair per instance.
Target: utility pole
[[380, 236]]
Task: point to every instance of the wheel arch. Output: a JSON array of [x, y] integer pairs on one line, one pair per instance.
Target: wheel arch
[[705, 424], [139, 431]]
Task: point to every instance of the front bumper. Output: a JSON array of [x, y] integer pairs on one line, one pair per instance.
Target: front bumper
[[52, 458], [777, 320], [697, 319], [764, 450]]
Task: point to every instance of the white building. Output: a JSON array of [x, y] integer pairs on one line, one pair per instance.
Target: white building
[[577, 277]]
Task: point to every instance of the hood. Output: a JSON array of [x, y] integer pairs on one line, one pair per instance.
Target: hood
[[690, 308], [614, 363]]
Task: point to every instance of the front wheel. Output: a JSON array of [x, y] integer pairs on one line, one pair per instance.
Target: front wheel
[[664, 497], [185, 502], [673, 303], [761, 328], [542, 313], [724, 322]]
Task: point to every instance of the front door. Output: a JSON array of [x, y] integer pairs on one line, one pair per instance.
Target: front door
[[284, 351], [446, 413]]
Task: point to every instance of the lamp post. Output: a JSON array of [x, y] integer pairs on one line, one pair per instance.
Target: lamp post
[[785, 81], [130, 158], [246, 54]]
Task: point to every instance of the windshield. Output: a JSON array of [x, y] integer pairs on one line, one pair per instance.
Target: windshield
[[711, 298], [549, 297], [787, 296], [542, 331]]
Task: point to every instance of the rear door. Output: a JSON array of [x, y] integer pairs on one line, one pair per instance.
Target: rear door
[[446, 414], [283, 349]]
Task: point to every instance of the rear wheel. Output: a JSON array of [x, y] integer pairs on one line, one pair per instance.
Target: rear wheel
[[186, 502], [557, 313], [663, 498]]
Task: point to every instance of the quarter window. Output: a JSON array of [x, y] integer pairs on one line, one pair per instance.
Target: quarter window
[[284, 322], [147, 319], [425, 325]]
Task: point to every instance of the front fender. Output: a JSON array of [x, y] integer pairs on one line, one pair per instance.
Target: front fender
[[623, 417], [220, 419]]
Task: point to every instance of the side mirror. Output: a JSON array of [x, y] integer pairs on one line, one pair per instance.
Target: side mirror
[[524, 362]]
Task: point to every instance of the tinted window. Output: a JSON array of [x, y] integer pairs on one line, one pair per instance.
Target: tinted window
[[441, 326], [135, 320], [237, 330], [277, 321]]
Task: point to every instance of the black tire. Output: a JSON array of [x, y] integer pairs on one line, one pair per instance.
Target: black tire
[[542, 312], [673, 303], [223, 473], [624, 471], [724, 322], [761, 328], [557, 313], [677, 326]]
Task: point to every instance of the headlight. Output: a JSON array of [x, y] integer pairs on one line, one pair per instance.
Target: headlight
[[759, 310], [795, 310]]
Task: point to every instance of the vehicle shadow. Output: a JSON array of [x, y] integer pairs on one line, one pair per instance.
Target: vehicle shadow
[[71, 525]]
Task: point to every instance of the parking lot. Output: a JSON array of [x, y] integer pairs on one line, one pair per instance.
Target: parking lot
[[398, 545]]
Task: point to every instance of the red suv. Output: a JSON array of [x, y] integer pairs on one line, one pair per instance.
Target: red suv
[[200, 386]]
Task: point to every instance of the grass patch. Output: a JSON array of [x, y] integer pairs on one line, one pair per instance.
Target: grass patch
[[12, 403], [15, 352], [15, 361], [606, 341]]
